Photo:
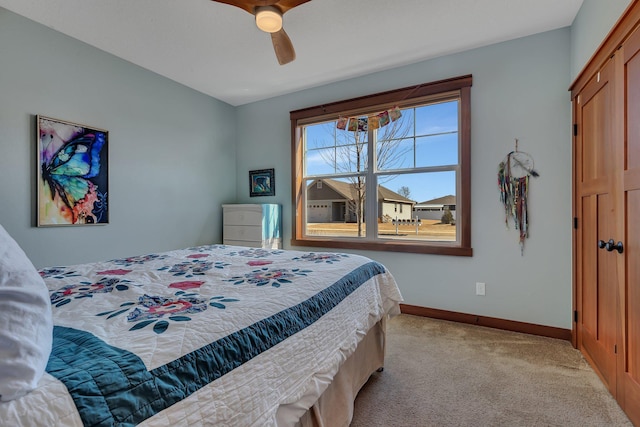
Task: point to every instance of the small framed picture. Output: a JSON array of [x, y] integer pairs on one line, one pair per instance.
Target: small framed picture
[[262, 183]]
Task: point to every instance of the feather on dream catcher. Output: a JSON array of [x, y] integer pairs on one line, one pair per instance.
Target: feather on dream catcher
[[513, 182]]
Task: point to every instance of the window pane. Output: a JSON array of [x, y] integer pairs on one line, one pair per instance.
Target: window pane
[[320, 162], [437, 118], [420, 206], [351, 158], [336, 159], [329, 150], [396, 154], [395, 143], [335, 207], [320, 135], [351, 151], [423, 137], [437, 150]]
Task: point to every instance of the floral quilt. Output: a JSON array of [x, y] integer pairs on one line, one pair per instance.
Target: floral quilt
[[215, 335]]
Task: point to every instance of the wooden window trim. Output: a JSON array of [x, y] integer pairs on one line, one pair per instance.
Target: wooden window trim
[[389, 98]]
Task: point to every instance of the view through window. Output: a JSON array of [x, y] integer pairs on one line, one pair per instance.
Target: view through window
[[391, 175]]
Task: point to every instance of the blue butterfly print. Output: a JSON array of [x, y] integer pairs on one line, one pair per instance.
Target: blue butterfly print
[[72, 166]]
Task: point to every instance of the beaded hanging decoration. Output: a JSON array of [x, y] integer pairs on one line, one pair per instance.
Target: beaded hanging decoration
[[513, 182]]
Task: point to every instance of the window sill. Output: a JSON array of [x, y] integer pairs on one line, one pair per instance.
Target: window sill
[[410, 247]]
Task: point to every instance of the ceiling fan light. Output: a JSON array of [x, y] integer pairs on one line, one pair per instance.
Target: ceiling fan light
[[269, 19]]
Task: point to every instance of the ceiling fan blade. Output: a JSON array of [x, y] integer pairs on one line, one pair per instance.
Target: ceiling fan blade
[[285, 5], [283, 47]]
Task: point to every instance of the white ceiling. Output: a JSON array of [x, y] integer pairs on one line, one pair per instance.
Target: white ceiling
[[216, 48]]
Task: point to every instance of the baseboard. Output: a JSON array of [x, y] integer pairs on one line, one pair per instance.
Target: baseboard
[[490, 322]]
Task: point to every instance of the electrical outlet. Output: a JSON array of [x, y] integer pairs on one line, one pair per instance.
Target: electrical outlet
[[480, 288]]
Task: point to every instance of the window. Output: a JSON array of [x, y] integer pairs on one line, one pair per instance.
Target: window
[[391, 170]]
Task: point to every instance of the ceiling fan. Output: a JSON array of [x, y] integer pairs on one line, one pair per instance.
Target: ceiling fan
[[268, 15]]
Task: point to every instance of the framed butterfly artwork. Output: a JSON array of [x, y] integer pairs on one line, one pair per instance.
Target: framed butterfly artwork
[[73, 175]]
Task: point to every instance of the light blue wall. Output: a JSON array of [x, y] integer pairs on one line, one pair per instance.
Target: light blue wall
[[175, 157], [519, 91], [171, 149], [591, 25]]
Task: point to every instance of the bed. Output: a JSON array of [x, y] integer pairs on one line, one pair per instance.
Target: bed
[[210, 335]]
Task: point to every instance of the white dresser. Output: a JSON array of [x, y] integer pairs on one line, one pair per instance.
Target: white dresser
[[254, 225]]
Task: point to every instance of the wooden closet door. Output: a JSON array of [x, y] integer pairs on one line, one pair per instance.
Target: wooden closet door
[[595, 198], [630, 370]]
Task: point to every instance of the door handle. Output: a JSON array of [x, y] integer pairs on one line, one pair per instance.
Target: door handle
[[601, 244], [610, 246]]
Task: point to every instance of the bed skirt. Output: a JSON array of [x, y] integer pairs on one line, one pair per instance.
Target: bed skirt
[[335, 406]]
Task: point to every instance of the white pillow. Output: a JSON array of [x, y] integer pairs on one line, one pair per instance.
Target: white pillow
[[26, 327]]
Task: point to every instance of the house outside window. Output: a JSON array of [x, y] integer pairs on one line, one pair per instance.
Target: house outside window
[[361, 168]]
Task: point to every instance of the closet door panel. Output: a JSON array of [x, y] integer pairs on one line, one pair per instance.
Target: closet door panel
[[630, 375], [595, 104], [632, 100], [633, 289], [607, 278], [599, 287], [596, 201], [589, 271]]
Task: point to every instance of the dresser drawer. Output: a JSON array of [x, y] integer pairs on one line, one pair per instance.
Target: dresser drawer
[[235, 215], [243, 233], [242, 243]]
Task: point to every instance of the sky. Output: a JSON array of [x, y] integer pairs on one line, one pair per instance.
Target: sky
[[432, 140]]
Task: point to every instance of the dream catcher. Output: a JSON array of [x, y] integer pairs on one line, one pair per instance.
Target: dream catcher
[[513, 181]]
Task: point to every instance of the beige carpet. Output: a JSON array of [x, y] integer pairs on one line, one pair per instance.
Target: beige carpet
[[440, 373]]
